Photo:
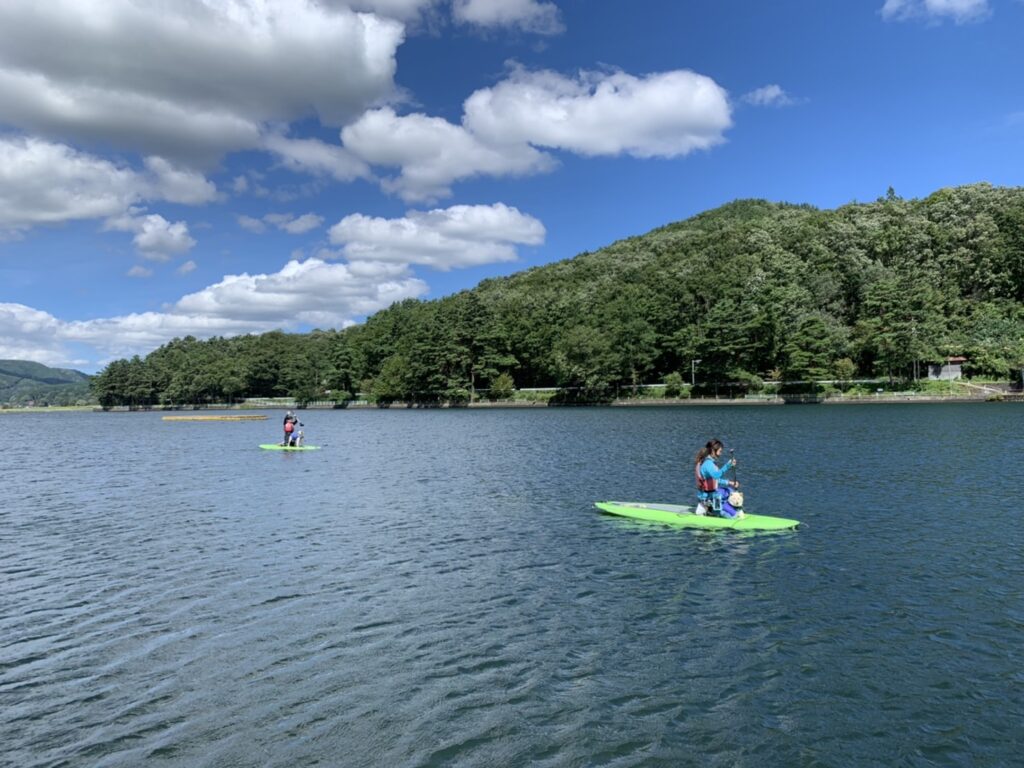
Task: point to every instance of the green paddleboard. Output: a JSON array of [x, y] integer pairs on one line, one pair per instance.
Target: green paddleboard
[[674, 514], [276, 447]]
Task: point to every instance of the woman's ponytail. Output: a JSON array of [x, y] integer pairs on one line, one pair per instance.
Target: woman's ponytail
[[709, 448]]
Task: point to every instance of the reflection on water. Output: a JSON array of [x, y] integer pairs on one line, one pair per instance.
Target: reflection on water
[[435, 588]]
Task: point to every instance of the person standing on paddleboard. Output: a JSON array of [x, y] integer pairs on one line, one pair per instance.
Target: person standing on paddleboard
[[289, 426], [710, 477]]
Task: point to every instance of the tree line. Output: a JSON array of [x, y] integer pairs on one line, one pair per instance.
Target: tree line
[[752, 290]]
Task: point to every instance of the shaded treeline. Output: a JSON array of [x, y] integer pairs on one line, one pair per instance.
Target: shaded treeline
[[752, 290]]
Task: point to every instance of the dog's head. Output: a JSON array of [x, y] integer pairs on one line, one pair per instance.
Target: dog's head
[[736, 499]]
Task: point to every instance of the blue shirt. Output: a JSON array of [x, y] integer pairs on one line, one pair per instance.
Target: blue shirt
[[709, 469]]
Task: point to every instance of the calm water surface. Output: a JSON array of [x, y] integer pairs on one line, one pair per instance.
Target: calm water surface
[[434, 588]]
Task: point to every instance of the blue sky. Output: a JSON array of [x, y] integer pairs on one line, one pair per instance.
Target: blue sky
[[235, 166]]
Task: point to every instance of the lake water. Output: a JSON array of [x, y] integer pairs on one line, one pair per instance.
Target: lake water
[[435, 588]]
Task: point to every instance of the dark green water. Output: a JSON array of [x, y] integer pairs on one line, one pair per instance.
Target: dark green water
[[434, 588]]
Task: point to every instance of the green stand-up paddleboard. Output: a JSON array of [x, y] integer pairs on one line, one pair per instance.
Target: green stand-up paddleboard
[[674, 514], [276, 447]]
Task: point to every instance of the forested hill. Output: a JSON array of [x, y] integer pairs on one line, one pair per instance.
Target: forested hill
[[23, 381], [753, 290]]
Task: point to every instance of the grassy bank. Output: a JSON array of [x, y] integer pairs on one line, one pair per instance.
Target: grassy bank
[[46, 409]]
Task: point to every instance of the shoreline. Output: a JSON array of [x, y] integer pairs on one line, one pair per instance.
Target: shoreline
[[515, 404]]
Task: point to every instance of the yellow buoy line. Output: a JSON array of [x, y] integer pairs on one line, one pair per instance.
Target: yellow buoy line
[[246, 417]]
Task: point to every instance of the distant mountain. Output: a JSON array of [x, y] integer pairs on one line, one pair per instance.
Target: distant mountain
[[23, 382]]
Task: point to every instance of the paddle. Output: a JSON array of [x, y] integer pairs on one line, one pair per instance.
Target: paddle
[[736, 481]]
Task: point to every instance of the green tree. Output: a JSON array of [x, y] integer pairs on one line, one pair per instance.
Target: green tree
[[811, 350], [391, 384], [674, 386], [584, 361], [502, 388]]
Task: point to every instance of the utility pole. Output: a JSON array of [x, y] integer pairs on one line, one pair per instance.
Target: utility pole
[[913, 346]]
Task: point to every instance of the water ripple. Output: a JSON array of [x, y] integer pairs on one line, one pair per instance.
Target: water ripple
[[435, 589]]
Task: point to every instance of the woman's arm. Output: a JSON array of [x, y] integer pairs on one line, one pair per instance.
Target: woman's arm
[[710, 469]]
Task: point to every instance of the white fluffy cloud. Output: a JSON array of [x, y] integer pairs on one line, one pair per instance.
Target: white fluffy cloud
[[47, 183], [155, 238], [301, 224], [505, 128], [206, 77], [316, 157], [178, 185], [30, 334], [44, 183], [529, 15], [311, 291], [139, 333], [667, 114], [432, 153], [960, 11], [460, 236]]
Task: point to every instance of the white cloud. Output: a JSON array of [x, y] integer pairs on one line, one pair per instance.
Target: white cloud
[[178, 185], [294, 225], [432, 153], [155, 238], [207, 76], [141, 333], [769, 96], [43, 183], [666, 114], [46, 183], [85, 113], [30, 334], [529, 15], [316, 157], [459, 236], [302, 290], [302, 224], [311, 292], [139, 271], [960, 11], [188, 266], [240, 185]]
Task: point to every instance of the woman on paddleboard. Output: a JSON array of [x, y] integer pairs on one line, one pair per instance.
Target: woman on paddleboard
[[289, 426], [710, 480]]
